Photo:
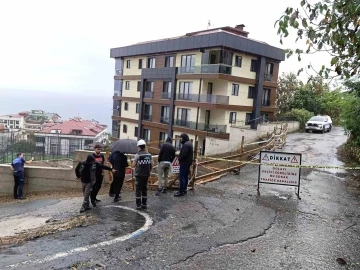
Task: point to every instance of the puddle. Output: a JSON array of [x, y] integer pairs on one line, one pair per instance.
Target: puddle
[[17, 225]]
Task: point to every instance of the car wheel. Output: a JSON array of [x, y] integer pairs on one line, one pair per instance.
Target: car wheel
[[330, 128], [307, 131], [323, 130]]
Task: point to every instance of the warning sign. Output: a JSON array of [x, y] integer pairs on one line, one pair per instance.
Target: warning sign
[[128, 171], [175, 166], [271, 171]]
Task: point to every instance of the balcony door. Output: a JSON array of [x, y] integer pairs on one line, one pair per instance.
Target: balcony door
[[207, 119], [165, 114], [183, 117], [209, 92], [265, 100], [185, 91], [188, 63]]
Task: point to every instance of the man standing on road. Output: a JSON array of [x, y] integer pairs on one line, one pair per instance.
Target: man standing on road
[[119, 162], [18, 167], [166, 157], [99, 158], [86, 171], [143, 165], [185, 161]]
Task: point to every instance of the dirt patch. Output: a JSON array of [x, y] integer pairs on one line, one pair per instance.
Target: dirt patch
[[344, 155], [51, 227], [63, 163]]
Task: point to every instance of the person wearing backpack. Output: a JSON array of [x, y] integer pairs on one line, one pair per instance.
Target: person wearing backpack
[[119, 162], [86, 172]]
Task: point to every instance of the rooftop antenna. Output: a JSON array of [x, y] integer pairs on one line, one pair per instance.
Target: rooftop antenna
[[209, 24]]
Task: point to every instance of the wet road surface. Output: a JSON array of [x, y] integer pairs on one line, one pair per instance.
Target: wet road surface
[[221, 225]]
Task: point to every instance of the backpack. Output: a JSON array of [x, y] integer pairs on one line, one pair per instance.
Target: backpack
[[81, 169]]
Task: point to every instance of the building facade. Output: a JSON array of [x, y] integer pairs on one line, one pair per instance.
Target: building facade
[[201, 83], [36, 118], [14, 122], [64, 138]]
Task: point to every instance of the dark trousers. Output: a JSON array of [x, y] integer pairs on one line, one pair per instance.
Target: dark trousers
[[141, 190], [18, 184], [118, 184], [112, 187], [96, 187], [184, 178]]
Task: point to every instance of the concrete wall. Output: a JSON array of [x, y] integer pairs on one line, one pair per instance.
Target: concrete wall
[[215, 146], [44, 178]]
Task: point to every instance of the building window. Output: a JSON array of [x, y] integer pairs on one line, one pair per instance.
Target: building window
[[17, 122], [162, 138], [187, 63], [235, 90], [126, 106], [251, 92], [247, 118], [232, 118], [127, 85], [269, 70], [265, 117], [137, 107], [146, 134], [151, 62], [128, 63], [253, 65], [165, 114], [136, 131], [238, 61], [149, 87], [265, 100], [147, 112], [140, 63], [139, 86], [166, 94], [124, 128], [185, 91], [183, 117], [177, 142], [169, 61]]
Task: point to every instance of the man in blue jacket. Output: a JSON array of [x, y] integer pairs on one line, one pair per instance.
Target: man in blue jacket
[[18, 167]]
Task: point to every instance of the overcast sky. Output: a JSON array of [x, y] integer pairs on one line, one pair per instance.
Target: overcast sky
[[64, 46]]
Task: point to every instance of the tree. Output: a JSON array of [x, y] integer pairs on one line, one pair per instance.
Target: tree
[[351, 117], [287, 85], [330, 26], [24, 147], [300, 115], [332, 103], [307, 99]]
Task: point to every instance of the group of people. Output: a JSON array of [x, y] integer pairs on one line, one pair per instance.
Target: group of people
[[90, 172]]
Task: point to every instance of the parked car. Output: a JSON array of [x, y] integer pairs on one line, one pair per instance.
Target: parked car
[[322, 123]]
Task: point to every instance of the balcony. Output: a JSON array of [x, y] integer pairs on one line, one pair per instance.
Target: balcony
[[115, 134], [117, 93], [214, 99], [164, 119], [265, 102], [206, 69], [116, 112], [148, 94], [146, 117], [268, 77], [200, 126], [165, 95]]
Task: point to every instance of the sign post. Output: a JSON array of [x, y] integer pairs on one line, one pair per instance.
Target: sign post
[[276, 168], [175, 166]]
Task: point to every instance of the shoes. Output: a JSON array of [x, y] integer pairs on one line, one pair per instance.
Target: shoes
[[117, 200], [93, 203], [138, 207], [163, 190], [158, 191], [87, 208], [21, 198], [144, 207], [179, 194], [111, 195], [96, 200], [82, 209], [185, 192]]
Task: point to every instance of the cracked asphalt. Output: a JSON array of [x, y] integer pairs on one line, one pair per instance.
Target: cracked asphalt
[[221, 225]]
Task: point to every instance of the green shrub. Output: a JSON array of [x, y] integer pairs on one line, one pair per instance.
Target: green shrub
[[300, 115]]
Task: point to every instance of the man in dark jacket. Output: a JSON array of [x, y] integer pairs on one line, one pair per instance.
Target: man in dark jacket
[[166, 157], [86, 172], [119, 162], [185, 161], [99, 158]]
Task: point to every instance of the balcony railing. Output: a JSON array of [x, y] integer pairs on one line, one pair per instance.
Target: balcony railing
[[214, 99], [268, 77], [148, 94], [116, 112], [206, 69], [146, 117], [115, 134], [117, 93], [265, 102], [164, 119], [201, 126], [165, 95]]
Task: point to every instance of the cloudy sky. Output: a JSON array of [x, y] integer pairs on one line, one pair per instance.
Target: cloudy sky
[[64, 46]]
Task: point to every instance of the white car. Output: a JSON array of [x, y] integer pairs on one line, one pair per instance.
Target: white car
[[320, 123]]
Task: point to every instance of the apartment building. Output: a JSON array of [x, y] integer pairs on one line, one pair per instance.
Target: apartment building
[[201, 83], [13, 122]]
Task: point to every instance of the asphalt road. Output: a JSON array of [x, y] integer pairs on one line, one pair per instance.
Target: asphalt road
[[221, 225]]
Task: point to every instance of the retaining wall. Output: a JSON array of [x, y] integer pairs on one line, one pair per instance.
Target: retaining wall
[[215, 146]]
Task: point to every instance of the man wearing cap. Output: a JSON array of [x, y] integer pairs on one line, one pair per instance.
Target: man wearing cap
[[143, 165]]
